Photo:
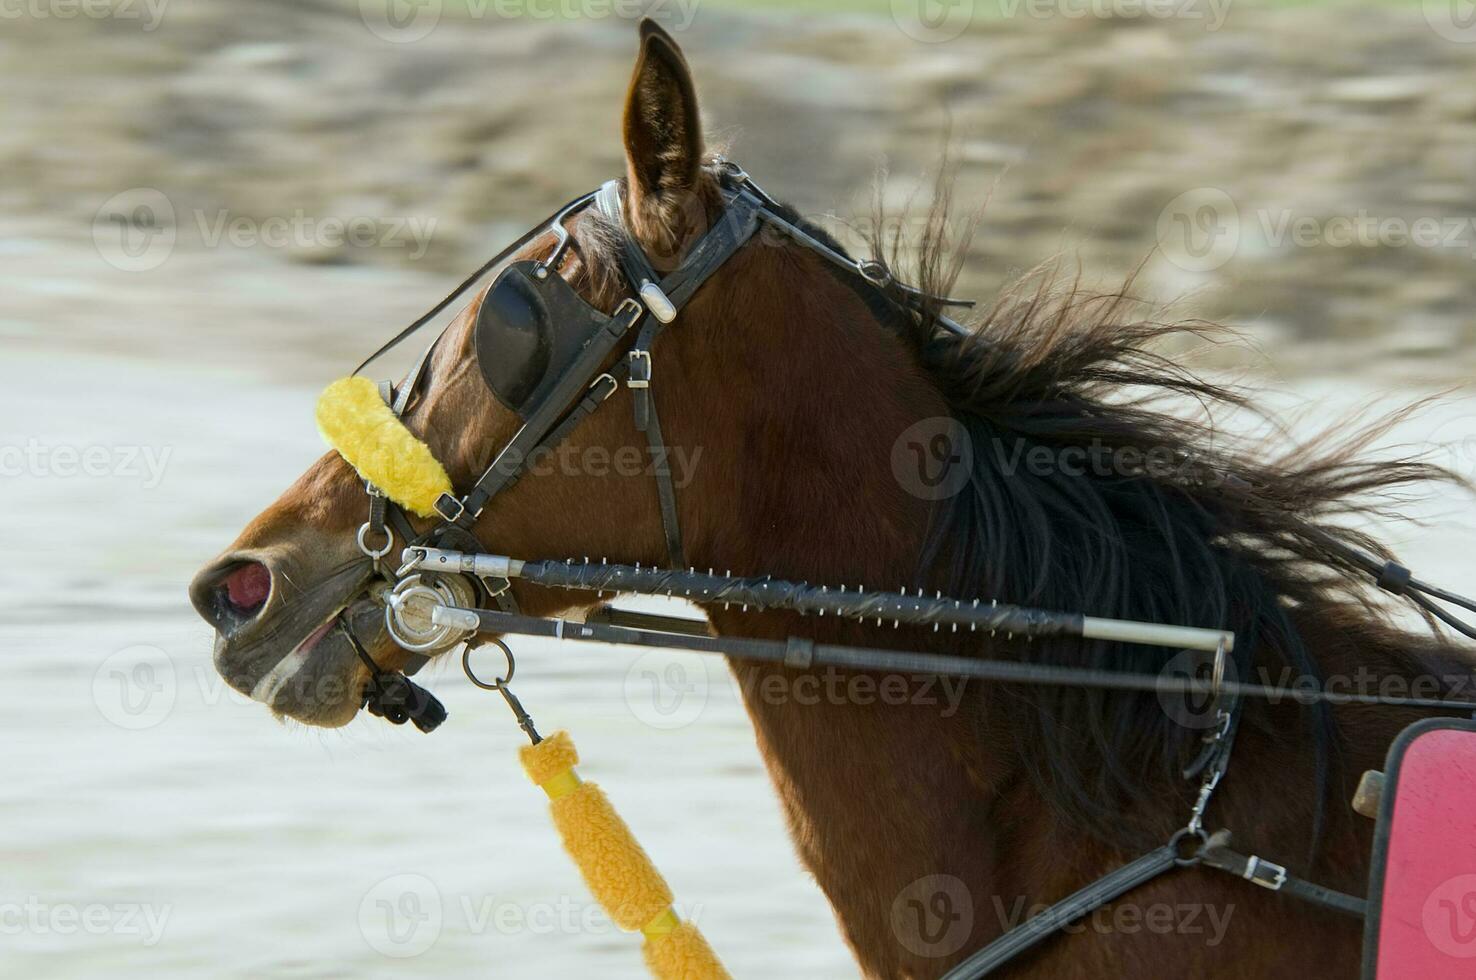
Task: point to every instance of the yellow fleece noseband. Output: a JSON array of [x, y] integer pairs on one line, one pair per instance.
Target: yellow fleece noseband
[[363, 430]]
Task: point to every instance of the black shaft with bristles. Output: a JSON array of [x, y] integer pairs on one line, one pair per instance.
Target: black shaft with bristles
[[765, 593]]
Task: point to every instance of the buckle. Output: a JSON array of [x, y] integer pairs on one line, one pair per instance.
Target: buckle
[[605, 383], [640, 369], [450, 507], [1264, 873], [627, 313]]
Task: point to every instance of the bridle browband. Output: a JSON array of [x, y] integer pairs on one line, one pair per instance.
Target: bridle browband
[[430, 605]]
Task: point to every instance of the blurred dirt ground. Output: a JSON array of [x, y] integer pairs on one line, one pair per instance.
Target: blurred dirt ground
[[1112, 139]]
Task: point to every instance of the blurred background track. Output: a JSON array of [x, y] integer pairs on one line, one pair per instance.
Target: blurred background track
[[1086, 133]]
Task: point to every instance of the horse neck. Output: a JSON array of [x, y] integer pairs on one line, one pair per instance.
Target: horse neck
[[794, 404], [796, 480]]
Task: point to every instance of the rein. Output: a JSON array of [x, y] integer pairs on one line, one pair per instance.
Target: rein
[[438, 596]]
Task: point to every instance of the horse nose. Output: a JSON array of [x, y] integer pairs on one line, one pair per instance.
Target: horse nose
[[231, 592]]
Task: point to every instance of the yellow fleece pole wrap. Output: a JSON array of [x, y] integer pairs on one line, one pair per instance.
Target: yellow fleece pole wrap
[[616, 869], [361, 427]]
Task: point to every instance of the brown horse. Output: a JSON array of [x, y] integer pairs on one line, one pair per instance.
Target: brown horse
[[931, 825]]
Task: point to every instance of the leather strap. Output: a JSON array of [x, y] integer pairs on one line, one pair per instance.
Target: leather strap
[[474, 278], [737, 223], [665, 489], [729, 233], [1070, 909], [1217, 853], [535, 431]]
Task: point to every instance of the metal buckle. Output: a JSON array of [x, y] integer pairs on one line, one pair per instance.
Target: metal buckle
[[450, 507], [1267, 874], [630, 308], [640, 369], [600, 382]]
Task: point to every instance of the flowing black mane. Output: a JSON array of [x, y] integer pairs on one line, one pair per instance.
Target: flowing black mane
[[1169, 519]]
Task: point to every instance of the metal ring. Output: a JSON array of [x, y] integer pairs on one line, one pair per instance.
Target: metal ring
[[730, 169], [1177, 840], [1217, 672], [471, 675], [389, 542], [874, 272], [398, 629]]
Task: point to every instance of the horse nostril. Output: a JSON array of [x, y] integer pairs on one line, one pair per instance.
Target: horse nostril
[[230, 593], [246, 588]]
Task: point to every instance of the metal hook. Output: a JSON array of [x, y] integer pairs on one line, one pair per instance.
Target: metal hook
[[499, 684]]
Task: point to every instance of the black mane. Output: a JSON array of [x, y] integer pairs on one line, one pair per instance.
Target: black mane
[[1219, 532]]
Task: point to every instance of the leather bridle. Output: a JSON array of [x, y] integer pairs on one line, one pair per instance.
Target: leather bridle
[[654, 302], [450, 549]]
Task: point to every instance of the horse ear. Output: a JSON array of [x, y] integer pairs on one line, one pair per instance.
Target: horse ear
[[663, 141]]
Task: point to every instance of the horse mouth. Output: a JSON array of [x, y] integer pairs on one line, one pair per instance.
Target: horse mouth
[[272, 682], [298, 662]]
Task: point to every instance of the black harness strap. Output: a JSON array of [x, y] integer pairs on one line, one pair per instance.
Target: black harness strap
[[473, 279], [543, 420], [1079, 904], [1216, 853], [664, 297]]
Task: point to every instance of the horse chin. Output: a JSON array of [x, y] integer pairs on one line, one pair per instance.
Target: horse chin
[[318, 679], [320, 685]]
